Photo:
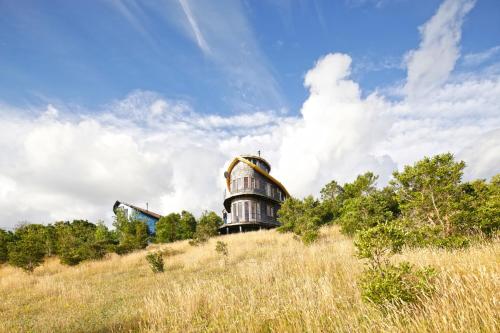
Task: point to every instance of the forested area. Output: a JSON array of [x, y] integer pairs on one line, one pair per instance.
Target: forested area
[[73, 242]]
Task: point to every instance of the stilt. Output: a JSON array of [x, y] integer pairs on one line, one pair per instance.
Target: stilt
[[241, 229]]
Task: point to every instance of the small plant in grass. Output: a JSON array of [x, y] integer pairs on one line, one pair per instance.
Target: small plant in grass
[[383, 283], [221, 248], [396, 284], [155, 261]]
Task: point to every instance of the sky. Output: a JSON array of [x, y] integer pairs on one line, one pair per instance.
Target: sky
[[139, 101]]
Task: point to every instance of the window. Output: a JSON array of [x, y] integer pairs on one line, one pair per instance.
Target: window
[[234, 212], [252, 186], [247, 211], [245, 183], [257, 216], [239, 209], [253, 212], [257, 183], [269, 209]]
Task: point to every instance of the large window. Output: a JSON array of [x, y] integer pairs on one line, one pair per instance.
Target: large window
[[270, 210], [245, 183], [239, 210], [234, 218]]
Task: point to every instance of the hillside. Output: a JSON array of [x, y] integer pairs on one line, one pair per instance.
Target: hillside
[[269, 283]]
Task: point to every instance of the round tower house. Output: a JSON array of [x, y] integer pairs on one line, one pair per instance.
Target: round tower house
[[252, 196]]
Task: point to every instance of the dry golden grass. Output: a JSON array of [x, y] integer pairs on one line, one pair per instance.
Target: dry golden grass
[[269, 283]]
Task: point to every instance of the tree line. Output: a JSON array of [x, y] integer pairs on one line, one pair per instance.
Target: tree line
[[73, 242], [428, 200]]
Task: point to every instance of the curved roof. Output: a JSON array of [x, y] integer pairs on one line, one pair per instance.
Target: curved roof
[[258, 158], [256, 168]]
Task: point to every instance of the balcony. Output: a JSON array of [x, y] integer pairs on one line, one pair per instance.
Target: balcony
[[248, 190], [252, 218]]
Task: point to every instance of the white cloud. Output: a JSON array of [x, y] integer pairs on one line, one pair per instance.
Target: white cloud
[[200, 40], [430, 65], [474, 59], [146, 148]]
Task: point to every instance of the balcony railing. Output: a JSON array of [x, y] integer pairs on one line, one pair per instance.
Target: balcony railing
[[252, 218], [249, 190]]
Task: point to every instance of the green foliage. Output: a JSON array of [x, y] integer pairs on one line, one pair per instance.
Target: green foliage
[[207, 227], [396, 284], [105, 238], [221, 248], [429, 192], [381, 282], [5, 239], [167, 228], [302, 217], [155, 261], [28, 248], [363, 185], [489, 212], [187, 225], [76, 241], [366, 211], [377, 243], [132, 233]]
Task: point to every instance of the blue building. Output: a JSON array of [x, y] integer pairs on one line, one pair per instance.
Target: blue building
[[139, 213]]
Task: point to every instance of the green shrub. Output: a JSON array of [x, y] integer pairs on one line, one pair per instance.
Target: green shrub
[[207, 227], [452, 242], [310, 236], [155, 261], [396, 284], [27, 250], [221, 248], [5, 239], [377, 243]]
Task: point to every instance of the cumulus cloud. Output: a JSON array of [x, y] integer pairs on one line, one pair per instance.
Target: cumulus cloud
[[65, 164]]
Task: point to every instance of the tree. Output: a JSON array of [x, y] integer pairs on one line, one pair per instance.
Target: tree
[[302, 217], [167, 228], [208, 226], [489, 211], [366, 211], [429, 192], [77, 242], [105, 237], [334, 196], [27, 250], [363, 185], [187, 225], [131, 233], [5, 239]]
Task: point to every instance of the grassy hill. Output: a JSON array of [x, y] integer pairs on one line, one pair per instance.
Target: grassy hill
[[268, 283]]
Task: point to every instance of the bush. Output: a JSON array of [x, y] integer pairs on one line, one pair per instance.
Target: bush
[[221, 248], [303, 218], [27, 250], [310, 236], [396, 284], [207, 227], [5, 239], [155, 261], [379, 242], [76, 242]]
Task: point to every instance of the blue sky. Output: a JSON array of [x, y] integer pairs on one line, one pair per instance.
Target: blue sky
[[148, 101], [92, 52]]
